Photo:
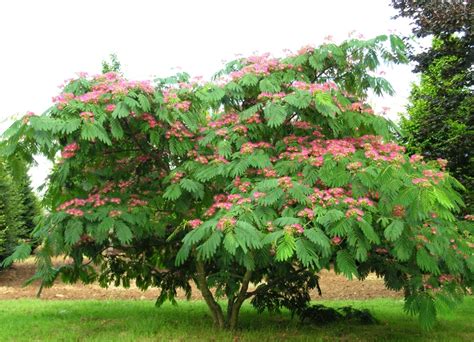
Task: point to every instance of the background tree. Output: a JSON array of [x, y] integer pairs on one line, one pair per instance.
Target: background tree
[[11, 208], [270, 173], [440, 120], [19, 208]]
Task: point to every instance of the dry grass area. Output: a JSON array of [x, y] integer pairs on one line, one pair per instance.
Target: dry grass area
[[332, 285]]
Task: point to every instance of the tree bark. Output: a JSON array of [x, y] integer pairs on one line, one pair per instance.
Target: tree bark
[[237, 304], [214, 307]]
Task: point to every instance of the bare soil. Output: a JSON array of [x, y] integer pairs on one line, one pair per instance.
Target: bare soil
[[333, 286]]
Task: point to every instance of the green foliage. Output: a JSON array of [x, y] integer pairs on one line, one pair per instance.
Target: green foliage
[[18, 209], [439, 122]]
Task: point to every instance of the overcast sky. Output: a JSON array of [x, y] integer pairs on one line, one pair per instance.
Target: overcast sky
[[45, 42]]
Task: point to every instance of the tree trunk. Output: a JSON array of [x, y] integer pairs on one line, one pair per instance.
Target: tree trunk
[[214, 307], [234, 304], [237, 304]]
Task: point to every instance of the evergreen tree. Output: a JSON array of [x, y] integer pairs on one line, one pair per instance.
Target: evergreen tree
[[11, 208], [30, 210]]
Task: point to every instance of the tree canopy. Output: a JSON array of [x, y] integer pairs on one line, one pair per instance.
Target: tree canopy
[[276, 169]]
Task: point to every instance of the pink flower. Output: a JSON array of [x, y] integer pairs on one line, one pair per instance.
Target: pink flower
[[298, 228], [195, 223], [110, 107], [226, 222], [75, 212], [336, 240]]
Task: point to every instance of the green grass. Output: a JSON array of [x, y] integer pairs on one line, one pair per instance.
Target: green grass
[[38, 320]]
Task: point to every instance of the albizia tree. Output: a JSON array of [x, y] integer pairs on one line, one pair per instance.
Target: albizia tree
[[265, 176]]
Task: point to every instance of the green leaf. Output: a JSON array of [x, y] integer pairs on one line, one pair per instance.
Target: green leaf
[[346, 264], [318, 237], [368, 231], [426, 262], [325, 105], [286, 221], [331, 216], [21, 252], [286, 247], [300, 99], [193, 187], [230, 243], [182, 254], [247, 235], [73, 231], [123, 232], [266, 85], [172, 192], [144, 103], [116, 129], [209, 247], [120, 111], [275, 114], [104, 227], [306, 254], [93, 131], [249, 80], [394, 230], [224, 148]]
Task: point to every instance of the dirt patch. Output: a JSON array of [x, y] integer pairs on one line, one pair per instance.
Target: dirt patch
[[332, 285]]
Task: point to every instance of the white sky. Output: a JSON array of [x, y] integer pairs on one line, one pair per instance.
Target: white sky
[[45, 42]]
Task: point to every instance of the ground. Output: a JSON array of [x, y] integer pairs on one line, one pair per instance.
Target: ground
[[332, 285]]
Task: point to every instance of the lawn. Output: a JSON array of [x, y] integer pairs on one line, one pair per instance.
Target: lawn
[[33, 320]]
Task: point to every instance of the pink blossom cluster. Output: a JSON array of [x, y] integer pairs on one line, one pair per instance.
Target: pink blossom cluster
[[249, 147], [194, 223], [442, 163], [423, 182], [224, 120], [355, 212], [69, 151], [226, 222], [103, 86], [359, 107], [110, 107], [179, 131], [271, 96], [294, 228], [87, 116], [151, 120], [93, 199], [314, 87], [384, 151], [306, 212], [327, 197], [285, 182], [27, 116], [303, 125], [444, 278], [354, 166], [415, 158], [177, 176], [115, 213], [256, 119], [75, 212], [170, 97], [227, 202], [136, 202], [434, 176], [259, 65]]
